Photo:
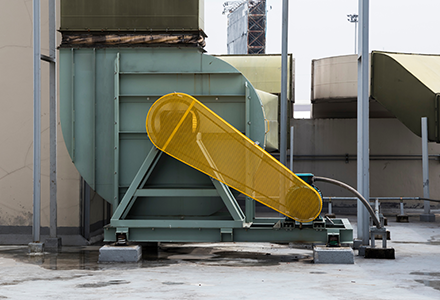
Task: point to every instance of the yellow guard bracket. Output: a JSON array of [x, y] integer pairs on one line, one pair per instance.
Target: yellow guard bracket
[[187, 130]]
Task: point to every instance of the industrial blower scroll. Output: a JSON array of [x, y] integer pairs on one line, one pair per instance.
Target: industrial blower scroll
[[184, 128]]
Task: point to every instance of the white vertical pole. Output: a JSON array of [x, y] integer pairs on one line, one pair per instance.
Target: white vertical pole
[[425, 165], [363, 159], [283, 100], [53, 119], [37, 122], [291, 147], [355, 36]]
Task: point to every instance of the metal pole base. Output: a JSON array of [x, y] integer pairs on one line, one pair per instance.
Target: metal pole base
[[427, 218]]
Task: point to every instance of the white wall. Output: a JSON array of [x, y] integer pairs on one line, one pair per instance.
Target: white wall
[[16, 125], [388, 177]]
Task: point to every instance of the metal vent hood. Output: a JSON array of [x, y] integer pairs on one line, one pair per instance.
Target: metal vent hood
[[408, 85], [334, 89]]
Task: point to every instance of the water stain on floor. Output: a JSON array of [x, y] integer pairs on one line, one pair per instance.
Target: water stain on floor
[[172, 283], [434, 274], [102, 284], [435, 284], [86, 258]]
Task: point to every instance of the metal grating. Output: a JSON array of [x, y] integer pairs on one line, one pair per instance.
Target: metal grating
[[257, 27], [187, 130]]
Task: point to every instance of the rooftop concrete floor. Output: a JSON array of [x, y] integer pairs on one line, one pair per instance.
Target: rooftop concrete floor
[[230, 271]]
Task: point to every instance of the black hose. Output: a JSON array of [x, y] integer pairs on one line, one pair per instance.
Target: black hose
[[354, 191], [427, 199]]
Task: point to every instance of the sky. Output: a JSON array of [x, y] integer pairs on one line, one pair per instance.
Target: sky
[[319, 28]]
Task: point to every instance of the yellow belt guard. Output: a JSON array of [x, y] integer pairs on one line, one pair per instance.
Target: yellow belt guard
[[184, 128]]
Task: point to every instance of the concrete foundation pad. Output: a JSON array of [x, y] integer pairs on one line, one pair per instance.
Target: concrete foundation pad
[[333, 255], [36, 248], [109, 253], [382, 253], [427, 217], [52, 244]]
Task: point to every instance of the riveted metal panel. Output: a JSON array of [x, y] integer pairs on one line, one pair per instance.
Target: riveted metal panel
[[88, 98]]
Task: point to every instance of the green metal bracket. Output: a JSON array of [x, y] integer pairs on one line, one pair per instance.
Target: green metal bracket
[[229, 200], [142, 175], [135, 190]]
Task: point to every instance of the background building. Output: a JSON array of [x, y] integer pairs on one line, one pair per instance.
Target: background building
[[246, 26]]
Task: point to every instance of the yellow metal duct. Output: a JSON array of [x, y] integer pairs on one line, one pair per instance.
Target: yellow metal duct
[[187, 130]]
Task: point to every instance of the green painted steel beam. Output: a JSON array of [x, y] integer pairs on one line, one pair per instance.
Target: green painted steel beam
[[116, 136], [173, 192], [229, 200], [249, 202], [252, 234], [176, 224], [127, 200], [180, 73]]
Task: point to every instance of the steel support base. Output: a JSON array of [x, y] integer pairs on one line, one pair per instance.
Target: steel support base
[[333, 255], [125, 254], [427, 218]]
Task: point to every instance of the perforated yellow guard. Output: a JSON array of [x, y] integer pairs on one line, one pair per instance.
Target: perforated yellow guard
[[187, 130]]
